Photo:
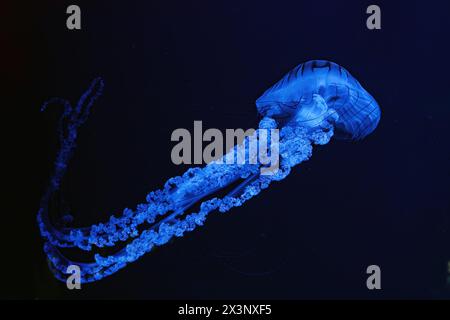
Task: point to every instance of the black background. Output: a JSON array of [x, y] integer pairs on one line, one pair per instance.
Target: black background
[[383, 201]]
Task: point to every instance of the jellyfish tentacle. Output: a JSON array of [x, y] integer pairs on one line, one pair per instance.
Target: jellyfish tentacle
[[75, 117], [159, 203], [162, 232], [295, 140]]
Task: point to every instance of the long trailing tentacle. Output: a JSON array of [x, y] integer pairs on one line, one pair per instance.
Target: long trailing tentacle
[[166, 209], [71, 119]]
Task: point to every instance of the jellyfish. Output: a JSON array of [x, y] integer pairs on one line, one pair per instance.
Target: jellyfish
[[313, 103]]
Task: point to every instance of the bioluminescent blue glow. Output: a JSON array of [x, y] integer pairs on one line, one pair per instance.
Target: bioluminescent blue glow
[[311, 104]]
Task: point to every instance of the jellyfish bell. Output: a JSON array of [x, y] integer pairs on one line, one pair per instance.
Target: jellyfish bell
[[318, 91]]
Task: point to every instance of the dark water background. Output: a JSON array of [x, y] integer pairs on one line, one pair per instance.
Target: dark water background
[[382, 201]]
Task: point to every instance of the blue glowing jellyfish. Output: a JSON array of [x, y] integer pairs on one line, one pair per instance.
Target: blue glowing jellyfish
[[312, 103]]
